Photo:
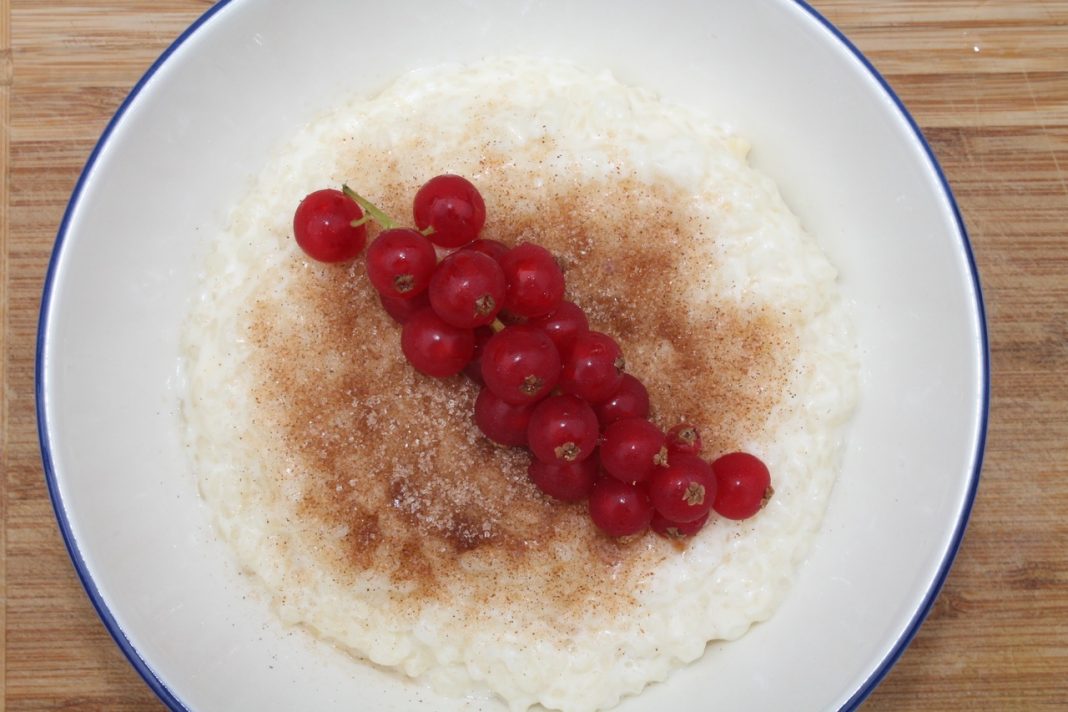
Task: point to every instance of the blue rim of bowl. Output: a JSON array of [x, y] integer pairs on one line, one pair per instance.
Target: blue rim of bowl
[[172, 701]]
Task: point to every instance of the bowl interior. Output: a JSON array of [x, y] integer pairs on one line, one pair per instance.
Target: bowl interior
[[185, 149]]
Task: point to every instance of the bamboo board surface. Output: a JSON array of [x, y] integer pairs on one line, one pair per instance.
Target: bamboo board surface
[[987, 82]]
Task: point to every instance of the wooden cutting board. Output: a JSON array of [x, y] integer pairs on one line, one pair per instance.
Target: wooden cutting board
[[987, 81]]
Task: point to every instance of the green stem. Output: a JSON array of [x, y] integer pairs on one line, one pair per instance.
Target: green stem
[[377, 215], [497, 325]]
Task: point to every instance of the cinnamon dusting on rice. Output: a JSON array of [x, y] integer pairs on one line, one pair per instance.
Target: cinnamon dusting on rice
[[392, 474]]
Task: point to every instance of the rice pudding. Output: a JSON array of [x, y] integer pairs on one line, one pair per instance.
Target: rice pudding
[[361, 493]]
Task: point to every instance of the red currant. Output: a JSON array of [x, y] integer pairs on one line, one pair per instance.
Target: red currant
[[535, 282], [502, 422], [567, 482], [491, 248], [632, 449], [520, 364], [467, 289], [593, 368], [684, 490], [435, 347], [676, 530], [562, 325], [322, 226], [453, 207], [473, 369], [684, 439], [631, 400], [400, 262], [562, 429], [744, 485], [403, 309], [618, 508]]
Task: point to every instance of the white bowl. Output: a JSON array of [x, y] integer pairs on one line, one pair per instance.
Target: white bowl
[[183, 148]]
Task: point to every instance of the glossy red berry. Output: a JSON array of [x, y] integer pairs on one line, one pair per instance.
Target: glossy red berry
[[520, 364], [618, 508], [563, 324], [490, 248], [632, 449], [685, 439], [467, 289], [562, 429], [684, 490], [744, 485], [567, 482], [473, 369], [403, 309], [435, 347], [322, 226], [453, 207], [400, 262], [502, 422], [676, 530], [535, 282], [593, 368], [630, 400]]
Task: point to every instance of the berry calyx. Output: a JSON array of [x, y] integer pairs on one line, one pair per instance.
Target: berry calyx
[[632, 449], [535, 282], [562, 429], [435, 347], [467, 289], [400, 263], [449, 210], [619, 509], [677, 530], [502, 422], [684, 490], [520, 364], [744, 485], [631, 400], [593, 368], [567, 482], [563, 325], [685, 439], [329, 227]]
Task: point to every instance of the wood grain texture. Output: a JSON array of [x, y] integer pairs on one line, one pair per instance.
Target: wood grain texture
[[988, 83]]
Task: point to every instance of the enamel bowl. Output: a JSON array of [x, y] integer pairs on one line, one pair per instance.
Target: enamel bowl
[[183, 149]]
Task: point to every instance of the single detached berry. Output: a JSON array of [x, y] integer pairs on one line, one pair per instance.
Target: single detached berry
[[744, 485], [403, 309], [632, 449], [567, 482], [400, 262], [676, 530], [520, 364], [562, 325], [435, 347], [684, 490], [630, 400], [685, 439], [618, 508], [467, 289], [501, 422], [453, 207], [322, 226], [562, 429], [593, 368], [535, 282], [490, 248]]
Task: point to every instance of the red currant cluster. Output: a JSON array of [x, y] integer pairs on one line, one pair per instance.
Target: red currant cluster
[[549, 383]]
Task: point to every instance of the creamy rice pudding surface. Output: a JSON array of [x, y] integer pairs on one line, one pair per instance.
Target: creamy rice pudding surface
[[362, 494]]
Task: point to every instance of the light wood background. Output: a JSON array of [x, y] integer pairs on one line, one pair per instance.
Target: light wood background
[[987, 81]]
